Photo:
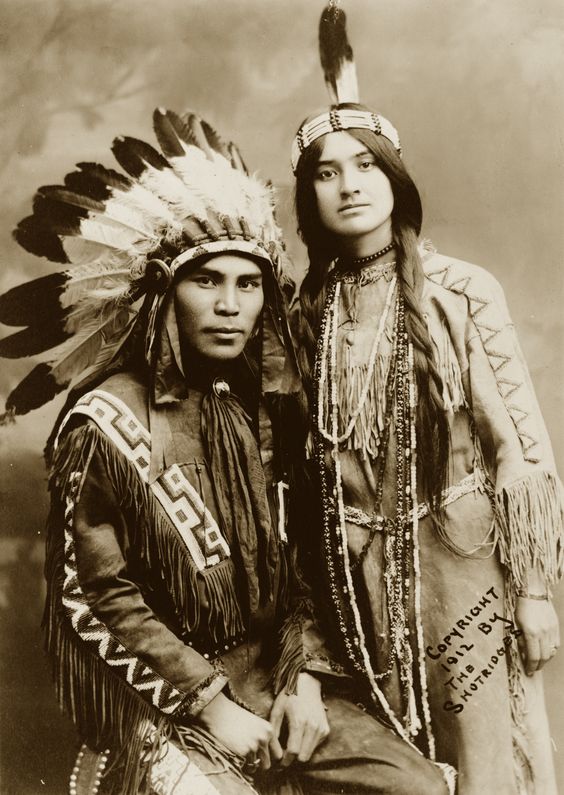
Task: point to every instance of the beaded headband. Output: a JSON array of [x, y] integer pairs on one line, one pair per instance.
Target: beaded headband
[[337, 120], [339, 70]]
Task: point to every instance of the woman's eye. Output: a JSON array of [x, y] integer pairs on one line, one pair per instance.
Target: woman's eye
[[325, 175], [366, 165]]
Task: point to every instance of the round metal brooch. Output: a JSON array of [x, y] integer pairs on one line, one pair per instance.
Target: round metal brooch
[[221, 388]]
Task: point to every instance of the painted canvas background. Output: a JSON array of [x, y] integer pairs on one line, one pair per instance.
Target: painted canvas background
[[474, 88]]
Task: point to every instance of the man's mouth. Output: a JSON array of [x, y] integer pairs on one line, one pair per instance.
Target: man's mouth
[[224, 330]]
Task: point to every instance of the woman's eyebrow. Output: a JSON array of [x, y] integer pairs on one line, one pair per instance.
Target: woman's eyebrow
[[361, 153]]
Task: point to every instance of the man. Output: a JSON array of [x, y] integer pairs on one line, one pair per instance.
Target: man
[[180, 646]]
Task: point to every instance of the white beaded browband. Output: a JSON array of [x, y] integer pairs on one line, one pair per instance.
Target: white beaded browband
[[341, 119]]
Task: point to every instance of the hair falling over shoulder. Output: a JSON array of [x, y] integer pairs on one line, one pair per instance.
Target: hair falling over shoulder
[[432, 424]]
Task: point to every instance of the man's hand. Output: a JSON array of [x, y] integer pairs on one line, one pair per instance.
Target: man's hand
[[245, 734], [306, 719], [541, 634]]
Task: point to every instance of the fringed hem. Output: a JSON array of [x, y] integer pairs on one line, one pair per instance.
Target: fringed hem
[[530, 523], [107, 713]]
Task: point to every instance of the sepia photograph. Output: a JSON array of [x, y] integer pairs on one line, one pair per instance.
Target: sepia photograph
[[281, 345]]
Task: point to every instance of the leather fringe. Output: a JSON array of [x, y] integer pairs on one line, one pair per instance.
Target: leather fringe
[[530, 526], [156, 541], [292, 659], [108, 713]]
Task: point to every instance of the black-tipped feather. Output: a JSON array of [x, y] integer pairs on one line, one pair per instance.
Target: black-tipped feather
[[134, 156], [39, 239], [96, 181], [34, 340], [236, 158], [335, 52], [170, 131], [334, 46], [197, 133], [36, 389], [57, 193], [33, 302], [63, 219], [214, 139]]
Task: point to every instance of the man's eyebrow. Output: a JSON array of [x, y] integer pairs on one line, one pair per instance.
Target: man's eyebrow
[[209, 270]]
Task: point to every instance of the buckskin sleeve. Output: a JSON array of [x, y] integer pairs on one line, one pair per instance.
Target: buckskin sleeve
[[528, 493], [103, 599]]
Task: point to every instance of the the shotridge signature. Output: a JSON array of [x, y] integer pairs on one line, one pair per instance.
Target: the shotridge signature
[[465, 680]]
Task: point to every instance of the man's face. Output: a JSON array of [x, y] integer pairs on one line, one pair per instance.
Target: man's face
[[218, 305]]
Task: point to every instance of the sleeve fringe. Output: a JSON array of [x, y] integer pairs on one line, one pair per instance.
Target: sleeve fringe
[[530, 522], [292, 660]]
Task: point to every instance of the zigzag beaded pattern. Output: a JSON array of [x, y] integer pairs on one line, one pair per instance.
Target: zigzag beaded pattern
[[498, 344], [182, 503], [163, 695]]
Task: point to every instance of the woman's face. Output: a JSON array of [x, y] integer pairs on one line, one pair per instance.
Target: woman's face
[[218, 305], [354, 197]]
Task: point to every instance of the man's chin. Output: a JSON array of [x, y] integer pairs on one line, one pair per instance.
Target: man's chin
[[222, 353]]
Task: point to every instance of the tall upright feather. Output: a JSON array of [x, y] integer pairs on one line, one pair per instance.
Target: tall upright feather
[[336, 56]]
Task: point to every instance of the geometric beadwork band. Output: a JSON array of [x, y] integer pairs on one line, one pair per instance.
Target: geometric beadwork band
[[341, 119]]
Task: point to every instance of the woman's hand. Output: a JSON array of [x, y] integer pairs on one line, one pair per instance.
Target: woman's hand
[[245, 734], [306, 718], [541, 634]]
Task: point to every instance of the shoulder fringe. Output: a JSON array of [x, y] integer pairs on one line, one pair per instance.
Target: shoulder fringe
[[530, 525], [453, 395]]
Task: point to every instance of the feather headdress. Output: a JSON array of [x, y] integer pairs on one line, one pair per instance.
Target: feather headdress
[[339, 70], [122, 236]]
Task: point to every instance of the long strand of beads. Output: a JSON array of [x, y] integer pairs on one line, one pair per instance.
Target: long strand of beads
[[336, 590], [359, 640], [332, 332], [416, 558], [400, 607]]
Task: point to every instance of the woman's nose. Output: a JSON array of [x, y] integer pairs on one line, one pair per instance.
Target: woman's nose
[[349, 182]]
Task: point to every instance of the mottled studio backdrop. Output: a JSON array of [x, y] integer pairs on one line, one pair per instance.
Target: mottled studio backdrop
[[475, 89]]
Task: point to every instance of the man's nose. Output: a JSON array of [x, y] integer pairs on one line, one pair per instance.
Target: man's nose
[[227, 302]]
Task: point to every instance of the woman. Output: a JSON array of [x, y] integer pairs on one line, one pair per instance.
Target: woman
[[441, 513], [180, 647]]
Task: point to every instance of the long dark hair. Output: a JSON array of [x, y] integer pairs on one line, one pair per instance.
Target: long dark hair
[[322, 245]]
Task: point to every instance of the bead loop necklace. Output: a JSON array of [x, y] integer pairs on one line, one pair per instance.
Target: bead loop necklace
[[356, 261]]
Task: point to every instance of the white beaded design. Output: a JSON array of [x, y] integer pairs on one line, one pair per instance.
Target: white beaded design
[[338, 120], [101, 762]]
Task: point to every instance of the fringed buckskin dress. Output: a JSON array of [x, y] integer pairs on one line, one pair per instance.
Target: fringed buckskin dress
[[428, 622]]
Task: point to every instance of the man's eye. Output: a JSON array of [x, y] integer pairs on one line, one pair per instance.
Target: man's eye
[[249, 284], [204, 281]]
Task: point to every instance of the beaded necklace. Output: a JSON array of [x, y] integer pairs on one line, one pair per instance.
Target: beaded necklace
[[401, 539]]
